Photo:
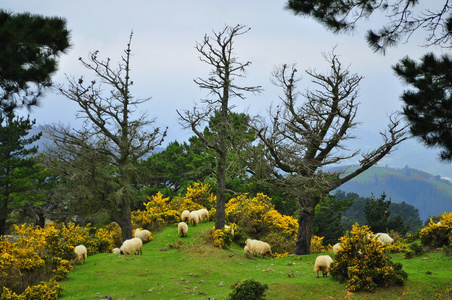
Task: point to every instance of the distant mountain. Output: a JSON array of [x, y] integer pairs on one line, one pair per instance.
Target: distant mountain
[[430, 194]]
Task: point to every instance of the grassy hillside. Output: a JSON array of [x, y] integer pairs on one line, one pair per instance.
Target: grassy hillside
[[430, 194], [197, 271]]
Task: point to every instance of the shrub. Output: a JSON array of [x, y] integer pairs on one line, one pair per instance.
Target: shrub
[[196, 197], [259, 219], [249, 289], [156, 215], [437, 234], [43, 291], [63, 267], [362, 263], [222, 238], [317, 245]]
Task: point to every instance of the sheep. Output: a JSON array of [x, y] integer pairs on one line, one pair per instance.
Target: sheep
[[203, 214], [336, 247], [132, 246], [116, 251], [185, 215], [143, 235], [257, 247], [193, 218], [322, 263], [82, 253], [182, 229], [384, 238]]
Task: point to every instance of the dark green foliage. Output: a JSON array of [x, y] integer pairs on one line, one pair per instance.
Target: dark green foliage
[[377, 216], [178, 166], [402, 217], [17, 169], [249, 289], [29, 47], [428, 107], [327, 222]]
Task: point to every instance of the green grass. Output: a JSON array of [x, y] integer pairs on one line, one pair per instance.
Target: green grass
[[197, 271]]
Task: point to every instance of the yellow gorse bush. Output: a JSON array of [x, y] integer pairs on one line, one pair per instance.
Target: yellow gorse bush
[[45, 253], [362, 264], [438, 234], [157, 213], [259, 219], [317, 244]]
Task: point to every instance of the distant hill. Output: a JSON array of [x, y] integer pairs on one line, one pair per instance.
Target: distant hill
[[430, 194]]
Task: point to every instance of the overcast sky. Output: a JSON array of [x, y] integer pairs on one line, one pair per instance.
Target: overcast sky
[[165, 61]]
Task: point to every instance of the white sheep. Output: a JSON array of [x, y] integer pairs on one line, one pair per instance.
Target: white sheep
[[131, 246], [82, 253], [116, 251], [143, 235], [384, 238], [322, 263], [193, 218], [257, 247], [182, 229], [185, 215], [336, 247], [203, 214]]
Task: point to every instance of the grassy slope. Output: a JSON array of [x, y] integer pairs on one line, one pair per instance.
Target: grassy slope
[[195, 271]]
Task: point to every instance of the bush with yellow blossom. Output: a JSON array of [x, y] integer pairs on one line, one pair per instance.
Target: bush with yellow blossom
[[362, 264], [259, 219], [438, 234], [156, 215]]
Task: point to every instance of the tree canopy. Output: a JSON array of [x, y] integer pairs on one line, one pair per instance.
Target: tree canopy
[[428, 106], [29, 48], [404, 17]]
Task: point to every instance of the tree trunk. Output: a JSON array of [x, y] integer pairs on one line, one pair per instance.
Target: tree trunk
[[305, 224], [125, 222], [3, 216], [221, 191]]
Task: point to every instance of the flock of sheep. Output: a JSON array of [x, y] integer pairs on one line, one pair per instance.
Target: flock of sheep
[[252, 247]]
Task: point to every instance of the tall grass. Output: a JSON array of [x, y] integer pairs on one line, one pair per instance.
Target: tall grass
[[188, 268]]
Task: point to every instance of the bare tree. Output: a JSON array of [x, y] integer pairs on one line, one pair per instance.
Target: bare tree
[[111, 131], [218, 52], [302, 139]]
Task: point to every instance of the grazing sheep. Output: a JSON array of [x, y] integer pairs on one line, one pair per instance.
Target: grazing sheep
[[322, 263], [182, 229], [257, 247], [116, 251], [247, 250], [132, 246], [203, 214], [336, 247], [81, 252], [193, 218], [143, 235], [184, 216], [384, 238]]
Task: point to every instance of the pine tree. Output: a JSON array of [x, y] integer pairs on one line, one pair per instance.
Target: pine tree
[[16, 165], [29, 48], [428, 107]]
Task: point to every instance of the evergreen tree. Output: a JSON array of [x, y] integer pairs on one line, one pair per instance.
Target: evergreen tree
[[428, 107], [377, 215], [404, 18], [29, 48], [16, 165], [327, 220]]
